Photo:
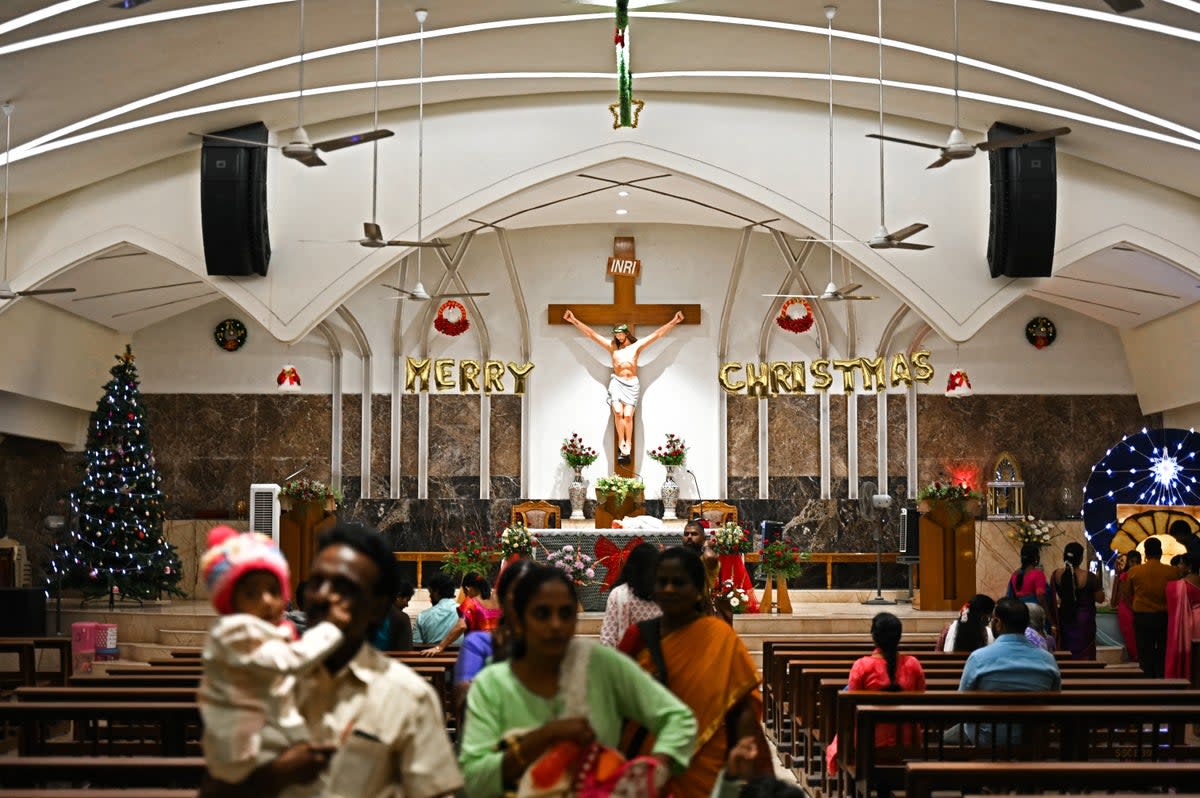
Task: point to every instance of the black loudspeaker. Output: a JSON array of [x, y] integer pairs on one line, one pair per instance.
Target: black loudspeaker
[[910, 536], [233, 204], [22, 612], [1024, 202], [770, 531]]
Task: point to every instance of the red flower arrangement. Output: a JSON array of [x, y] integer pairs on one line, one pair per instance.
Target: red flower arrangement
[[474, 556], [795, 324], [448, 327]]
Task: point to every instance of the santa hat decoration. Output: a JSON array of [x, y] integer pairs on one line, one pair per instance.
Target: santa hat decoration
[[231, 555], [958, 384], [288, 379]]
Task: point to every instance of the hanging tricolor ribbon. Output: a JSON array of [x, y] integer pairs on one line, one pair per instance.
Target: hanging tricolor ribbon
[[624, 113]]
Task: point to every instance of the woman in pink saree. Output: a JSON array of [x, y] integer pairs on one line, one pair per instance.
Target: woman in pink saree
[[1183, 619]]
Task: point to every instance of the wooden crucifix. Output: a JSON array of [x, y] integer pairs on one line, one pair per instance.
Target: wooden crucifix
[[624, 315]]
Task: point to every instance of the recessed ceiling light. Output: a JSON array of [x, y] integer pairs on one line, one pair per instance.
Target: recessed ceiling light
[[621, 211], [622, 193]]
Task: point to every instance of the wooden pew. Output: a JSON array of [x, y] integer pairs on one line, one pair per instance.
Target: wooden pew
[[106, 694], [103, 771], [62, 645], [1053, 730], [922, 779], [26, 671], [103, 727], [137, 681], [194, 670]]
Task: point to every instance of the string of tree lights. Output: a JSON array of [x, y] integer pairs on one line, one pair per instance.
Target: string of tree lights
[[1154, 467], [116, 546]]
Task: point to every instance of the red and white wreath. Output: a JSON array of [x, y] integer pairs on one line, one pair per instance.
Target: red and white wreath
[[792, 323], [452, 327]]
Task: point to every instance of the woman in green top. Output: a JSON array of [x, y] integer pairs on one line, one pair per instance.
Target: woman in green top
[[558, 688]]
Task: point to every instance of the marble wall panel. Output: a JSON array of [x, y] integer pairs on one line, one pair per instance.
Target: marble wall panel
[[838, 439], [352, 435], [897, 412], [409, 435], [868, 435], [794, 423], [453, 444], [1055, 439], [506, 436], [381, 445], [35, 477], [741, 425]]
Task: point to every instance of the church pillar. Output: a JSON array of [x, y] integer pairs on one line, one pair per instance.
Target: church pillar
[[423, 445], [911, 406], [485, 446], [826, 482], [881, 430], [764, 451], [852, 445]]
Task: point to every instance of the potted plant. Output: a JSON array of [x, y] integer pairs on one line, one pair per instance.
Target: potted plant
[[473, 556], [578, 456], [310, 491], [671, 456], [948, 503], [781, 561], [613, 491]]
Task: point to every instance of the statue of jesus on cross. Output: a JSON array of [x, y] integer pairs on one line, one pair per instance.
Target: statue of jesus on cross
[[623, 386]]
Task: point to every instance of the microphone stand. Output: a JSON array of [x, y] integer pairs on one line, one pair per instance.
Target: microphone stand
[[696, 482]]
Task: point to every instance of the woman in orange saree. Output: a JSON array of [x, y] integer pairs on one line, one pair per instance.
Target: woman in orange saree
[[706, 666]]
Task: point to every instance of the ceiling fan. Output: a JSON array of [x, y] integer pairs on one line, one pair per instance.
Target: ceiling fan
[[832, 293], [882, 238], [957, 147], [300, 148], [418, 292], [6, 289]]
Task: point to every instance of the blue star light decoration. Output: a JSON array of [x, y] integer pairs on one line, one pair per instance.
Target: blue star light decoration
[[1153, 467]]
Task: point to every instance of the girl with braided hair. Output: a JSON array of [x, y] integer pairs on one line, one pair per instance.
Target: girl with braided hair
[[888, 670], [1074, 593]]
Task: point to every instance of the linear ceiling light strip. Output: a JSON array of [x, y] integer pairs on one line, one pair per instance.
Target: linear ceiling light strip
[[18, 152], [1108, 17], [133, 22], [43, 13], [605, 76]]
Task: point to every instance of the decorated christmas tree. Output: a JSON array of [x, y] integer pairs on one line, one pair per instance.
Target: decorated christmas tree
[[116, 547]]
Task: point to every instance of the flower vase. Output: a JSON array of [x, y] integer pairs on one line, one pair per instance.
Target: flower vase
[[577, 492], [669, 495]]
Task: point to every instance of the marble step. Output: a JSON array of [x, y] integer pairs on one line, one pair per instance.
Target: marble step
[[183, 638]]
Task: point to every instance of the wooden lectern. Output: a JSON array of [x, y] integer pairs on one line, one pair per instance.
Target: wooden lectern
[[947, 555], [298, 531], [608, 510]]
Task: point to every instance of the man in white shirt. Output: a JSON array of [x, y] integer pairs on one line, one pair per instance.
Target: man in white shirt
[[376, 727]]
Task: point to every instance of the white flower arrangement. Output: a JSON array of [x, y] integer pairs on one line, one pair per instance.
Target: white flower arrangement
[[517, 539], [1033, 530], [738, 600]]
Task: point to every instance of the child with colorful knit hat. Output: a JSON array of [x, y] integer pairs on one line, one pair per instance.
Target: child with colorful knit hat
[[252, 658]]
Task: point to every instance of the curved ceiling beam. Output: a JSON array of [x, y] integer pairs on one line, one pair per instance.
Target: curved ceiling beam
[[28, 150], [510, 264], [335, 395], [364, 351], [919, 337], [19, 152], [889, 330], [735, 279], [851, 312]]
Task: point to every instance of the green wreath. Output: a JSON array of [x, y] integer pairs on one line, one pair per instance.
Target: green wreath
[[230, 335]]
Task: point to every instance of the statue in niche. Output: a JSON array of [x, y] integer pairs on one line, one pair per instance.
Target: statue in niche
[[623, 387]]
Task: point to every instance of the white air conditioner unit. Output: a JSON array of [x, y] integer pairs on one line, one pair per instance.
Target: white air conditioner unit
[[264, 510]]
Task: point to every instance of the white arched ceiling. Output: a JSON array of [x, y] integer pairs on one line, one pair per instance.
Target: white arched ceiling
[[761, 156]]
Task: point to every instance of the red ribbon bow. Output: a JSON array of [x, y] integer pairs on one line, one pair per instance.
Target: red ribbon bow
[[613, 558]]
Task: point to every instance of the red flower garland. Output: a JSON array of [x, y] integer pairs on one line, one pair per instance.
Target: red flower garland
[[451, 328], [795, 324]]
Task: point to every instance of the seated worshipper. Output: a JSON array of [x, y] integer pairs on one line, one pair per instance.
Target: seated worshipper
[[1011, 664], [701, 660], [1074, 593], [480, 613], [376, 727], [971, 630], [396, 632], [720, 567], [482, 648], [435, 623], [533, 718], [1037, 623], [1183, 618], [888, 670], [252, 656], [631, 599]]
